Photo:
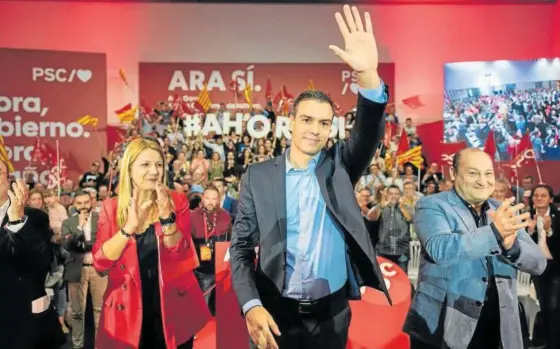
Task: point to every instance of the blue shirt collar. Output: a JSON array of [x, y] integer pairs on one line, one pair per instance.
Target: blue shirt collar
[[311, 165]]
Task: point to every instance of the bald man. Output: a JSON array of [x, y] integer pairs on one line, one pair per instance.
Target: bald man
[[467, 289]]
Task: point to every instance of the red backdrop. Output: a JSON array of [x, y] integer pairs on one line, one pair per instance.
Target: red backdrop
[[48, 91], [163, 80]]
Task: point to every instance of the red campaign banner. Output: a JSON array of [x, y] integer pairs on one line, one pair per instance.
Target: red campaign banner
[[162, 81], [43, 96], [375, 324]]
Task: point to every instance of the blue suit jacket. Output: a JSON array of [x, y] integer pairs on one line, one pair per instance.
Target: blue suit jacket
[[453, 275]]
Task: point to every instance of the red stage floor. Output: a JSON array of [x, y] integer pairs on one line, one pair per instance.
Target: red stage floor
[[206, 338]]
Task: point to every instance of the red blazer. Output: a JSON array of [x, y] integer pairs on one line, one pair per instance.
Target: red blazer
[[184, 310]]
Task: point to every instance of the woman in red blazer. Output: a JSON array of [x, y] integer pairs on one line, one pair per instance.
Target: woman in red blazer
[[153, 300]]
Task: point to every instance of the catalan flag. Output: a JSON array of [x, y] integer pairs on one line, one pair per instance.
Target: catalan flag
[[311, 85], [126, 114], [414, 156], [4, 156], [124, 109], [88, 120], [203, 102], [122, 74], [389, 161], [248, 92]]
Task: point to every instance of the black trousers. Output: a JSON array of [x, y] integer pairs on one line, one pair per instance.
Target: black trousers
[[548, 292], [207, 282], [47, 331], [325, 329]]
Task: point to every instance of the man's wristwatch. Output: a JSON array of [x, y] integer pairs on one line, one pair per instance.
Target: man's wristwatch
[[125, 233], [169, 220], [18, 221]]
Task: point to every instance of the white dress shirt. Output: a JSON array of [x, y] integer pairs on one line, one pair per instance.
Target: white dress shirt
[[540, 223], [88, 258]]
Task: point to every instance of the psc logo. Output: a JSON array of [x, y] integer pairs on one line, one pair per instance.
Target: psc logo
[[349, 82], [61, 74]]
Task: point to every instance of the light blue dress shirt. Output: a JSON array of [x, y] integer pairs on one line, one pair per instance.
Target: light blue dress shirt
[[316, 258]]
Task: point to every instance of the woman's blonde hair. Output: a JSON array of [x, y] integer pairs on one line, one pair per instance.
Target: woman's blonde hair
[[48, 193], [131, 153]]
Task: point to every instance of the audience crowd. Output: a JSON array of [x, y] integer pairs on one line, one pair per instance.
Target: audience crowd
[[510, 114], [386, 194]]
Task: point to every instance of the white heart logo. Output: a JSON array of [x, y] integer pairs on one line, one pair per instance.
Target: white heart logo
[[84, 75], [354, 88]]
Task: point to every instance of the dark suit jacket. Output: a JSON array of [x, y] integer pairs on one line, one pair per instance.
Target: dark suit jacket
[[230, 205], [553, 242], [261, 213], [72, 240], [25, 259]]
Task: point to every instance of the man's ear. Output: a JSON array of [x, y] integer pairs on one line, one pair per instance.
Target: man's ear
[[291, 120], [452, 173]]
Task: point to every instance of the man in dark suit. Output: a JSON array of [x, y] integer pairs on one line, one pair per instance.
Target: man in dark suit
[[300, 209], [27, 317], [78, 236]]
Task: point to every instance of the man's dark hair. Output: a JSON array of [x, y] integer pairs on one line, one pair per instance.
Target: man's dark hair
[[312, 95], [220, 180], [82, 192], [456, 160], [546, 187], [210, 188], [393, 186]]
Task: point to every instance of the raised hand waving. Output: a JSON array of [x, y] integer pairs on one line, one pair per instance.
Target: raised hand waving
[[360, 48]]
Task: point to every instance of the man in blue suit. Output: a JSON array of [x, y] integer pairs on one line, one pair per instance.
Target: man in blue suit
[[472, 248]]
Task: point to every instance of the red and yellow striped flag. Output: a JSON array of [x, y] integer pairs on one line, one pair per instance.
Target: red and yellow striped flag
[[4, 156], [248, 92], [310, 85], [127, 116], [88, 120], [414, 156], [389, 161], [203, 101]]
